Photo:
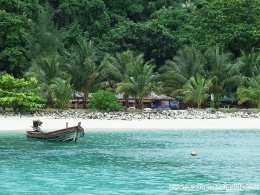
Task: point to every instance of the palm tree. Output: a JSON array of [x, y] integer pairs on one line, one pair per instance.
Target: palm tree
[[45, 70], [196, 90], [140, 83], [251, 92], [176, 72], [249, 63], [62, 91], [224, 74], [118, 68], [86, 74]]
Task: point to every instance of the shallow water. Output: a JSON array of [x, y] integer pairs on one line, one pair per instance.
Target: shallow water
[[135, 162]]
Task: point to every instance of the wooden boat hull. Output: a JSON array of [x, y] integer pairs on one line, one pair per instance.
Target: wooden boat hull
[[68, 134]]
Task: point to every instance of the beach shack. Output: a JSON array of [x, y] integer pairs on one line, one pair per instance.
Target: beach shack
[[152, 101], [77, 101], [164, 101]]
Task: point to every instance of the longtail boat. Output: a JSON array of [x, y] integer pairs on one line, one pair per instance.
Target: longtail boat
[[66, 134]]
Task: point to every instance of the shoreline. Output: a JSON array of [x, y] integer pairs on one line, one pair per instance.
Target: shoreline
[[15, 123]]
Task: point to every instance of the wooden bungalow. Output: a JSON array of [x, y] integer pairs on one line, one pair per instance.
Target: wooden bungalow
[[152, 101], [78, 100]]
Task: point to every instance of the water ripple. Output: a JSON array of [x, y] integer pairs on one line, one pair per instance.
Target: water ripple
[[129, 162]]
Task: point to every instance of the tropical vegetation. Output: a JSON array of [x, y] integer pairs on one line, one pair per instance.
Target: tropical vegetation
[[19, 94], [196, 90], [250, 92], [104, 101], [198, 51]]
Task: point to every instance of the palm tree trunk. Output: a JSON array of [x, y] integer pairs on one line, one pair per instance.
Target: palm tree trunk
[[49, 100], [139, 103], [85, 99], [216, 102], [14, 106], [126, 100], [198, 104]]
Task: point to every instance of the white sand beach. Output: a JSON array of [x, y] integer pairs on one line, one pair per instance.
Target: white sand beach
[[22, 124]]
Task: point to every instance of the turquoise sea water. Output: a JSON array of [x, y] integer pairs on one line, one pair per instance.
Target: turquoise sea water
[[136, 162]]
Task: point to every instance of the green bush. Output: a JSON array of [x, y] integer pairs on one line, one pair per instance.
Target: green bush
[[19, 94], [254, 110], [104, 101]]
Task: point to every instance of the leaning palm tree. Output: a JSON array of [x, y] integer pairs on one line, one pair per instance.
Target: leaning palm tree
[[176, 72], [140, 83], [62, 91], [45, 70], [250, 92], [224, 75], [196, 90], [249, 63], [86, 74], [118, 68]]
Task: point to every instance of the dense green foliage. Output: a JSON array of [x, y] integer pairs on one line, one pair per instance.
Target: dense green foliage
[[45, 38], [196, 90], [62, 92], [250, 92], [45, 70], [139, 82], [104, 101], [233, 24], [86, 73], [14, 23], [176, 72], [97, 43], [19, 94]]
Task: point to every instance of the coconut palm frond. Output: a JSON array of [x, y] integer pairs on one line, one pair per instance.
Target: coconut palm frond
[[251, 93], [196, 90], [187, 63]]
